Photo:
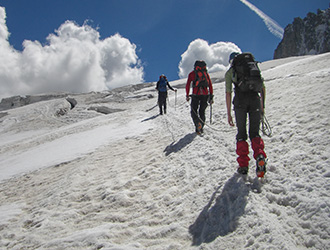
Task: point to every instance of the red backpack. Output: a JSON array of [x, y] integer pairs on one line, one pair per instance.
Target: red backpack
[[201, 76]]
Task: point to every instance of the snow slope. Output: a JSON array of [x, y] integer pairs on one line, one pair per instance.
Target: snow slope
[[79, 179]]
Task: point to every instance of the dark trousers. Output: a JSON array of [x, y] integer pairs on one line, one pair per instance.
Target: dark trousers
[[247, 104], [198, 106], [162, 96]]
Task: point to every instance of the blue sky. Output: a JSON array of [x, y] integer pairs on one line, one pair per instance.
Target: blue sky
[[161, 30]]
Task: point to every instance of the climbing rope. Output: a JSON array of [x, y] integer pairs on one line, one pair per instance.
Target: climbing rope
[[265, 127], [204, 123]]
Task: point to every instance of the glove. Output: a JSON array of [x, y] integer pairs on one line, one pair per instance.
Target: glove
[[210, 99], [187, 98]]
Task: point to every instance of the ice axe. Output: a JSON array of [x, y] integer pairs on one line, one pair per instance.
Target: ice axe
[[210, 100]]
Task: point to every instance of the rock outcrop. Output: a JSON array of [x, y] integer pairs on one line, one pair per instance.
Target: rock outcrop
[[308, 36]]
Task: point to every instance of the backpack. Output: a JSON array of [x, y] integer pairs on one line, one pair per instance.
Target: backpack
[[201, 78], [248, 73], [162, 86]]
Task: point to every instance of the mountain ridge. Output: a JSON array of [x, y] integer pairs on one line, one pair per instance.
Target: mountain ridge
[[308, 36]]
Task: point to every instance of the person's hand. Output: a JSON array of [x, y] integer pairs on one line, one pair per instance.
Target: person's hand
[[230, 120], [187, 98], [210, 99], [175, 90]]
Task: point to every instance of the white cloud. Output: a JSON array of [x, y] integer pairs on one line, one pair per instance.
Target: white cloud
[[74, 60], [3, 28], [272, 26], [215, 55]]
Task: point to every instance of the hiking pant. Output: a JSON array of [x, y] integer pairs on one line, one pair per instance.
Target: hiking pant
[[198, 106], [162, 96], [247, 104]]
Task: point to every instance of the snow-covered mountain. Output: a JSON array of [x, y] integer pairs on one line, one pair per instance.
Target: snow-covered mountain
[[308, 36], [104, 171]]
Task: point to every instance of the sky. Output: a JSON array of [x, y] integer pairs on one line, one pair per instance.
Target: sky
[[84, 45]]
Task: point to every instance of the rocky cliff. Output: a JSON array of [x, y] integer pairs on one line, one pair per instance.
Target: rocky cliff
[[308, 36]]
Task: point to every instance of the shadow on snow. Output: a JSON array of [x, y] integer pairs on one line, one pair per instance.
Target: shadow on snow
[[222, 218], [150, 118], [175, 147]]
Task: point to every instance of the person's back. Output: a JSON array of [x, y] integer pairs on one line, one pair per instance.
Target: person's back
[[161, 86]]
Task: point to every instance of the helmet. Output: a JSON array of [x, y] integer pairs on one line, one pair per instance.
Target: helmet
[[233, 55], [162, 76]]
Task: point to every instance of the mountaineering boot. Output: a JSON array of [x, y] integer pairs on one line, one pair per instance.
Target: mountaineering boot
[[243, 170], [261, 166], [199, 128]]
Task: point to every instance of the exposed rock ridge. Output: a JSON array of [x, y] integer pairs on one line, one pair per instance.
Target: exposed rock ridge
[[308, 36]]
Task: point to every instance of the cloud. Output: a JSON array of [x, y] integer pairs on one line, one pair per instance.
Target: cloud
[[272, 26], [74, 59], [215, 55], [3, 28]]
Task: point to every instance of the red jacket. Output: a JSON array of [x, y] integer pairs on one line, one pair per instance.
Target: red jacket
[[196, 90]]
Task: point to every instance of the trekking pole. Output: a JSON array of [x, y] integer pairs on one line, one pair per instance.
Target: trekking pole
[[265, 126], [175, 100], [210, 113]]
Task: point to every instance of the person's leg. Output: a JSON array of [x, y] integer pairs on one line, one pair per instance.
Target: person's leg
[[257, 143], [259, 155], [242, 150], [162, 101], [160, 105], [258, 147], [242, 147], [202, 108], [254, 115], [194, 108], [240, 117], [254, 120], [165, 102]]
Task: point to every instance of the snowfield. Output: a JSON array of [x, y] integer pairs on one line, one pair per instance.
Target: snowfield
[[76, 178]]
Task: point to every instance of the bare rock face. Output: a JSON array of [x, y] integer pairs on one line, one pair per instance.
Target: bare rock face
[[308, 36]]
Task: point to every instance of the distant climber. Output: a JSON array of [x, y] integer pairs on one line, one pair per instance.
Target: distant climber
[[162, 85]]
